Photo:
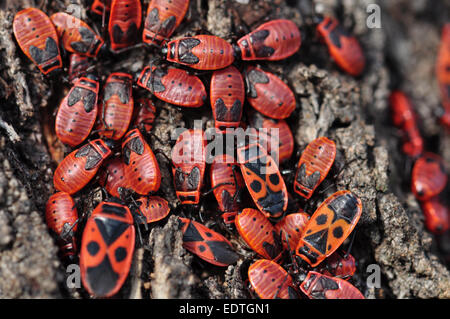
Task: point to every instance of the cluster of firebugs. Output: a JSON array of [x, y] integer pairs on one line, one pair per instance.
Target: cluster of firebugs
[[307, 243]]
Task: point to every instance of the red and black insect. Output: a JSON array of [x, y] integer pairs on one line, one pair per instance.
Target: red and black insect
[[207, 244], [404, 118], [274, 135], [163, 17], [173, 86], [268, 94], [201, 52], [436, 216], [189, 164], [112, 177], [263, 180], [153, 208], [61, 217], [78, 66], [443, 73], [343, 47], [318, 286], [290, 229], [269, 280], [141, 166], [38, 39], [78, 111], [339, 266], [428, 177], [76, 36], [227, 95], [101, 7], [273, 40], [144, 115], [124, 23], [329, 226], [314, 165], [80, 166], [227, 184], [107, 247], [259, 234], [116, 110]]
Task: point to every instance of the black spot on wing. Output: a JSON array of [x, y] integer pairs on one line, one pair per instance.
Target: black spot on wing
[[257, 39], [254, 77], [194, 179], [235, 112], [117, 34], [87, 96], [305, 180]]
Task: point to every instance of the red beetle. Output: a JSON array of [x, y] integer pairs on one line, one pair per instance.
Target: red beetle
[[339, 266], [290, 229], [318, 286], [404, 118], [80, 166], [329, 226], [163, 17], [78, 66], [37, 37], [101, 6], [227, 94], [78, 111], [124, 23], [141, 167], [144, 115], [112, 177], [343, 47], [207, 244], [153, 208], [76, 35], [314, 165], [268, 94], [428, 177], [273, 40], [259, 234], [263, 180], [107, 247], [443, 73], [227, 183], [61, 217], [269, 280], [173, 86], [436, 216], [274, 135], [201, 52], [189, 164], [117, 108]]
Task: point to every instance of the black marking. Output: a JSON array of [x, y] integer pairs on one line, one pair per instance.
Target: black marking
[[120, 253], [154, 83], [220, 110], [114, 210], [308, 181], [306, 251], [135, 145], [184, 50], [222, 252], [110, 229], [338, 232], [273, 250], [274, 179], [235, 111], [336, 34], [318, 240], [88, 97], [256, 77], [93, 248], [93, 157], [255, 186], [50, 52], [344, 207], [193, 180], [321, 286], [102, 278], [192, 234], [88, 39], [321, 219], [122, 90], [257, 39], [201, 248]]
